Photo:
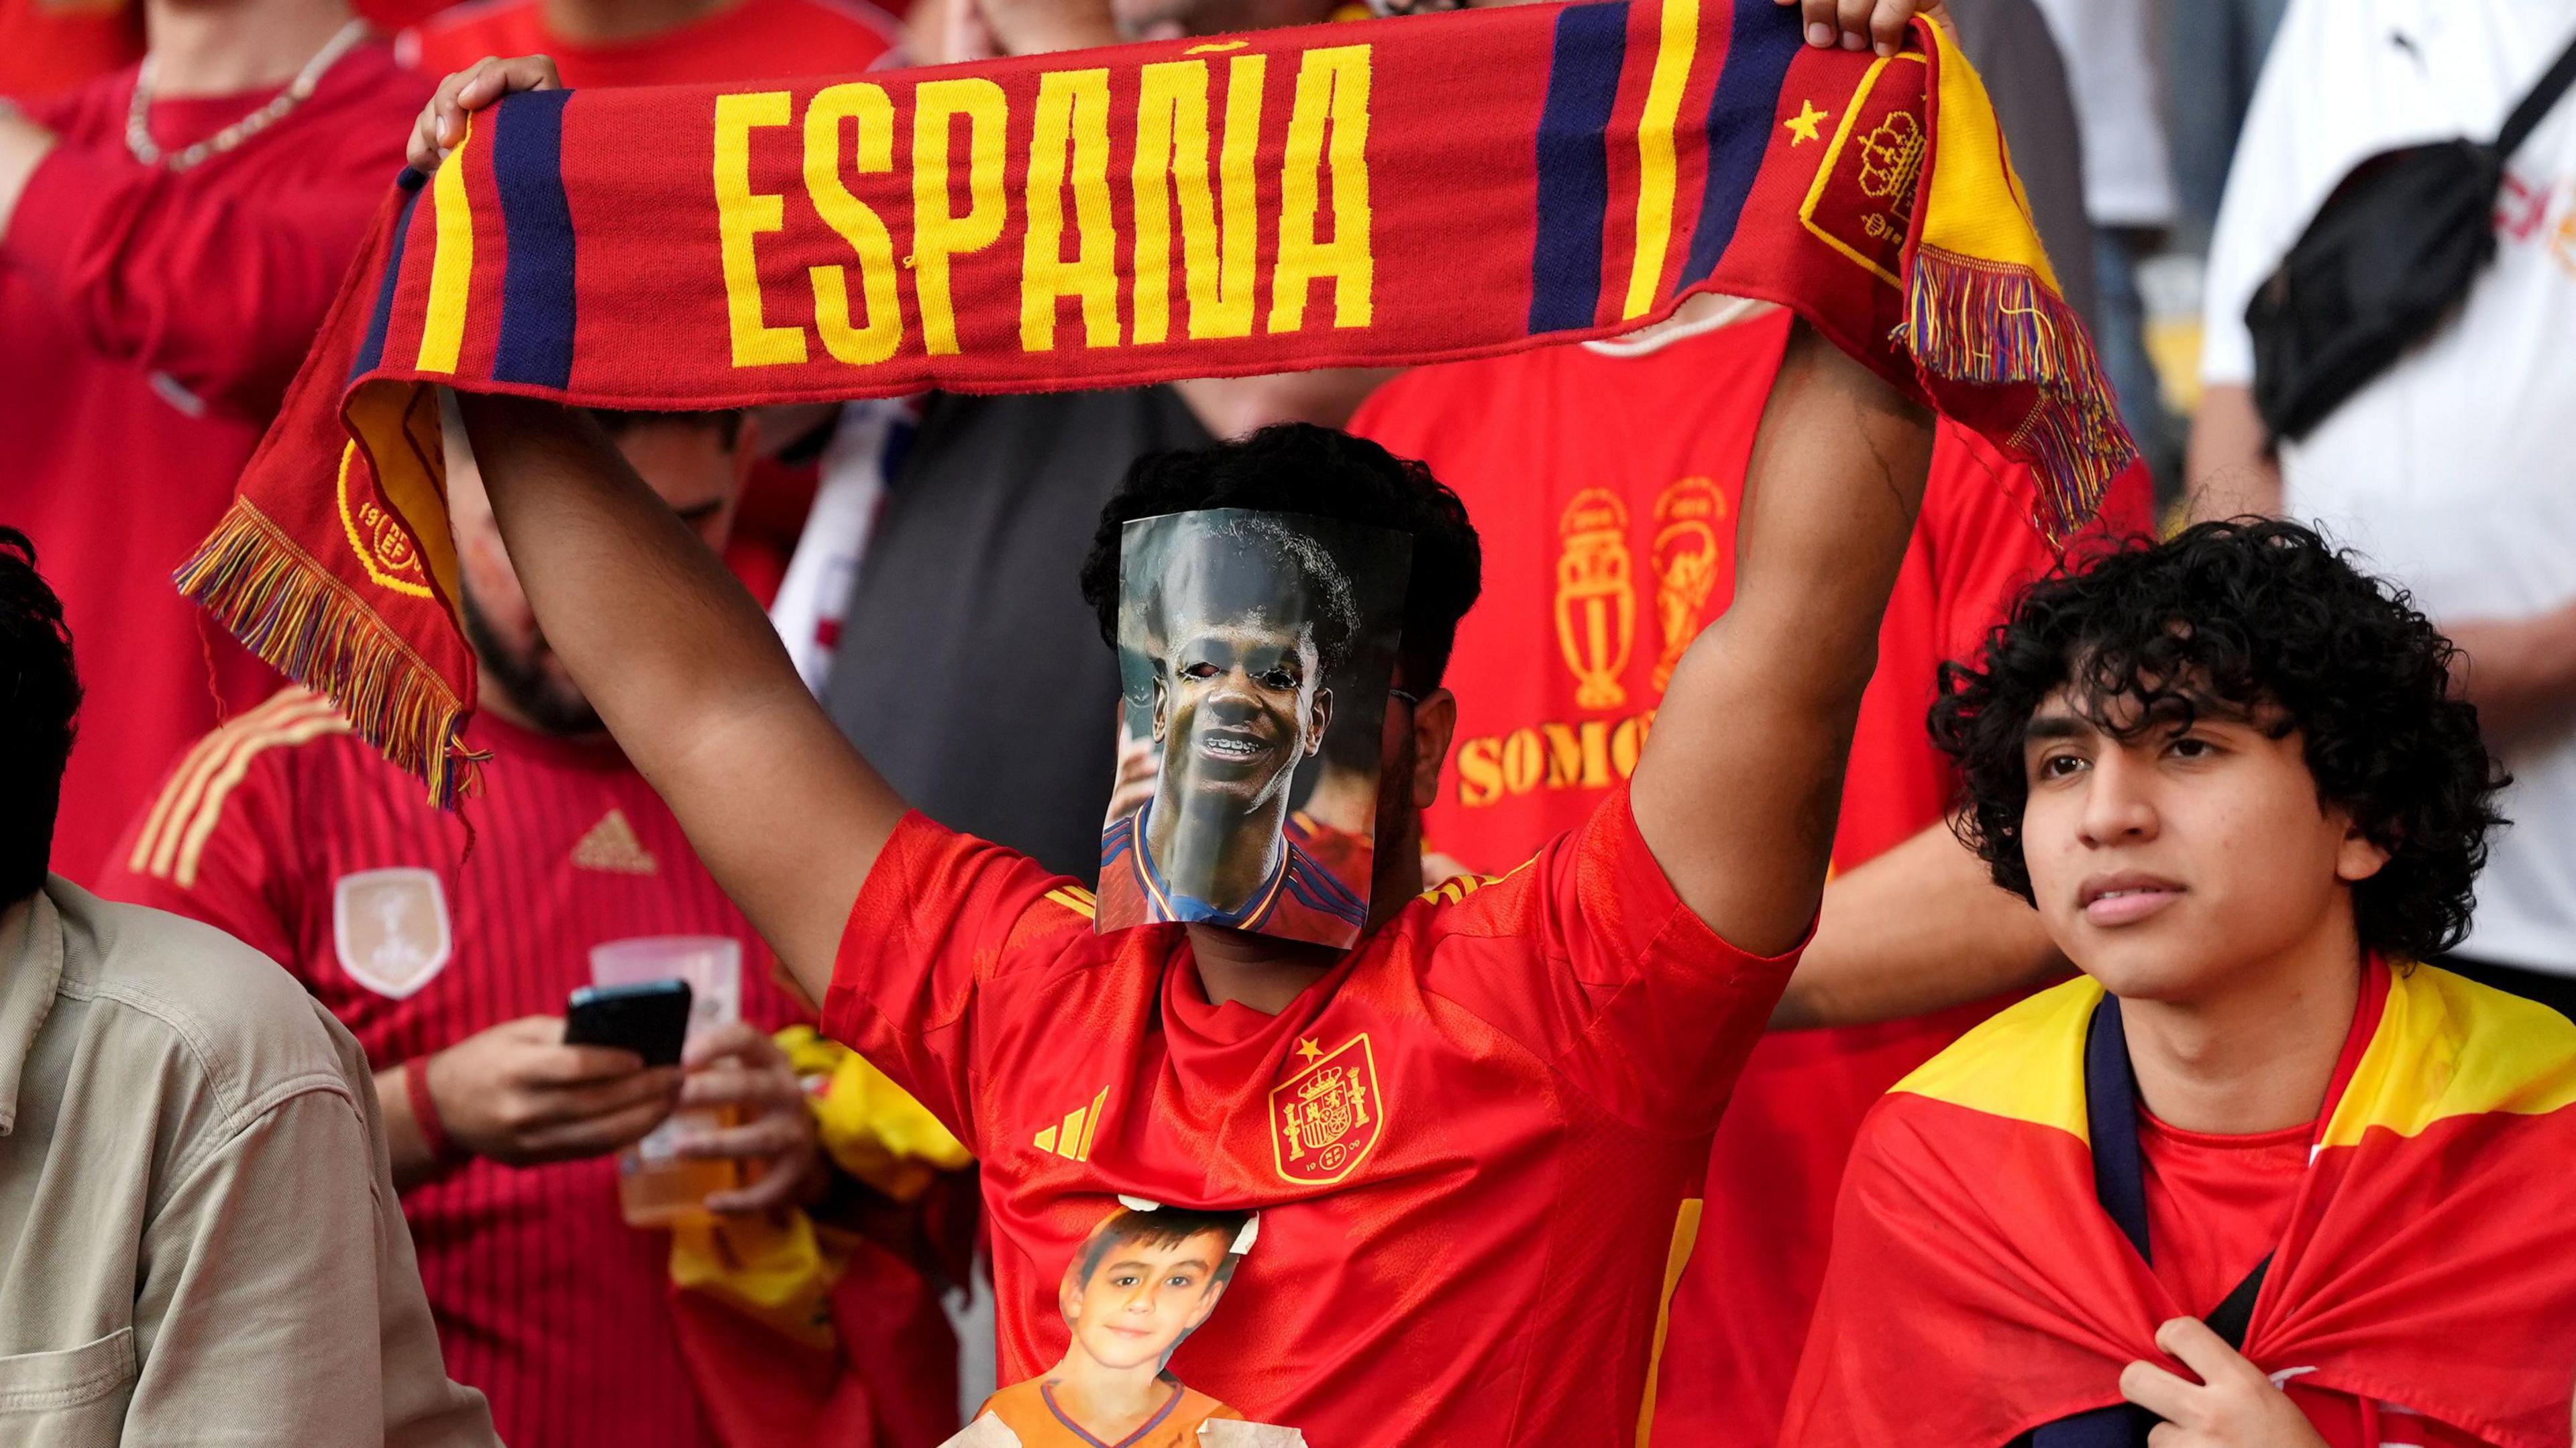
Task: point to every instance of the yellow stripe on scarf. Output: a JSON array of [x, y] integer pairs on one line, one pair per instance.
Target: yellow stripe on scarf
[[451, 267], [1676, 43], [1977, 208]]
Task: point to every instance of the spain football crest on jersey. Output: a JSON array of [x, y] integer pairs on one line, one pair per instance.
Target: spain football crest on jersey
[[1324, 1118]]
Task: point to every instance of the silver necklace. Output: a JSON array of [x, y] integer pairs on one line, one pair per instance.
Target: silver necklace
[[138, 129]]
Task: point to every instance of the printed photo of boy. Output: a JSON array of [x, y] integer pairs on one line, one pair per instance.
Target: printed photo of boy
[[1143, 1281]]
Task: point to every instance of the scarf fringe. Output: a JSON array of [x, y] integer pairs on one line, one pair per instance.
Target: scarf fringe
[[1993, 324], [286, 608]]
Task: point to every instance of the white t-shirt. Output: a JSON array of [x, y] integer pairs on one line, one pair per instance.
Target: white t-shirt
[[2128, 175], [2455, 472], [866, 444]]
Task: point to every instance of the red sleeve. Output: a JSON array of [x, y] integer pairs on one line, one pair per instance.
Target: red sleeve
[[220, 290], [1588, 957], [220, 853], [1976, 515], [941, 914]]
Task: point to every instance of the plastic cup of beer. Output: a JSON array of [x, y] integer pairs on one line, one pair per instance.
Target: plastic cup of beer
[[656, 1186]]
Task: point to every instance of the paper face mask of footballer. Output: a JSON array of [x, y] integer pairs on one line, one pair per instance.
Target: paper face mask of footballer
[[1254, 650]]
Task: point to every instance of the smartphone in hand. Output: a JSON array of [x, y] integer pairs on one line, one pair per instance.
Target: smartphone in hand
[[649, 1018]]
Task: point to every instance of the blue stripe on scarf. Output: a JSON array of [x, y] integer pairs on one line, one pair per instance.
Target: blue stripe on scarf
[[372, 349], [537, 307], [1574, 166], [1764, 39]]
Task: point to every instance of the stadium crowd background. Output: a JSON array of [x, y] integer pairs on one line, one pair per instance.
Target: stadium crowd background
[[182, 182]]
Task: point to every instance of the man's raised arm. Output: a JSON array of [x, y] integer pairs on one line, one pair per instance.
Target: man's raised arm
[[688, 675], [1742, 777]]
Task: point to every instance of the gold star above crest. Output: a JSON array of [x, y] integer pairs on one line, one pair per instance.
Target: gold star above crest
[[1803, 125], [1307, 1048]]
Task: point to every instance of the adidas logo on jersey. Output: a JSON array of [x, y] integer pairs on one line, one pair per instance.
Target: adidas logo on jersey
[[1071, 1137], [611, 846]]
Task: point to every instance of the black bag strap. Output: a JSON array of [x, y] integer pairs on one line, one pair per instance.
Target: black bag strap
[[2230, 1319], [2527, 116], [2120, 1184]]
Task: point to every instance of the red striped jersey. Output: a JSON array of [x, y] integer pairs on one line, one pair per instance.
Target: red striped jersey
[[287, 831], [1468, 1142]]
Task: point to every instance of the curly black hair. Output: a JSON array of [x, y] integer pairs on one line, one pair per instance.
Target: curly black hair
[[43, 696], [2246, 620], [1296, 467]]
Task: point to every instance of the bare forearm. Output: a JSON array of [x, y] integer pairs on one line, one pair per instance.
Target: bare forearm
[[1918, 929], [2521, 674], [2229, 469], [688, 675], [1739, 785]]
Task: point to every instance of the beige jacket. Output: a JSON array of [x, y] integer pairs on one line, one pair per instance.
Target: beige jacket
[[199, 1240]]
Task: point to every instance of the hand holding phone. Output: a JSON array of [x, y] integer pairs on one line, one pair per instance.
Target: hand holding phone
[[649, 1018], [518, 1094]]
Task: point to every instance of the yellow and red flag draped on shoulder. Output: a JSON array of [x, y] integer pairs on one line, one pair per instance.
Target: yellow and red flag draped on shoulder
[[1978, 1288], [1370, 194]]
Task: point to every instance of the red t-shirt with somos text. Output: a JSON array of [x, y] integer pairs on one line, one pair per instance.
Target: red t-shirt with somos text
[[1605, 481], [1468, 1142]]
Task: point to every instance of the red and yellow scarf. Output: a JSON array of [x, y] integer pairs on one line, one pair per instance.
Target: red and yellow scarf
[[1373, 194]]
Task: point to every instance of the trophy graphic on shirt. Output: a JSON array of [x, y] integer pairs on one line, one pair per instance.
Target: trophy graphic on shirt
[[1596, 611], [1686, 519]]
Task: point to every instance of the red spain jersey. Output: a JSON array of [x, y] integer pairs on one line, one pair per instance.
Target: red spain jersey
[[1468, 1142], [1605, 481], [287, 831]]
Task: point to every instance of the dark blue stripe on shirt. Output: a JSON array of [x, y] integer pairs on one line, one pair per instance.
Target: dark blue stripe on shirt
[[372, 350], [1308, 886], [537, 283], [1325, 881], [1765, 38], [1574, 166]]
